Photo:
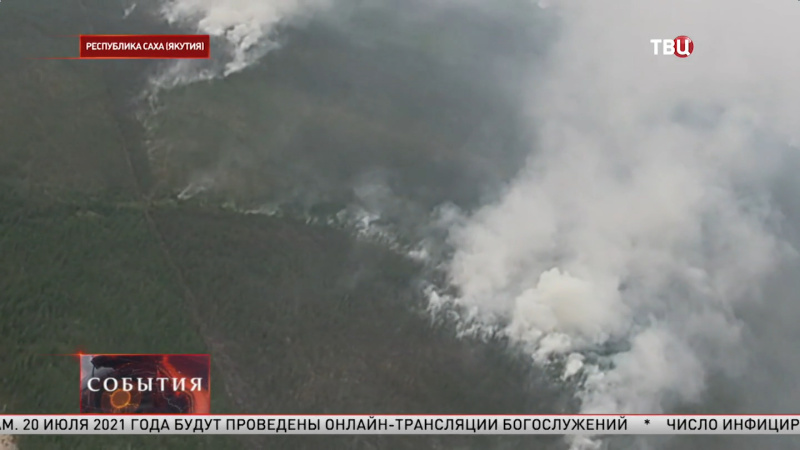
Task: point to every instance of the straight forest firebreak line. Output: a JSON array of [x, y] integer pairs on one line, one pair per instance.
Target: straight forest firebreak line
[[235, 387]]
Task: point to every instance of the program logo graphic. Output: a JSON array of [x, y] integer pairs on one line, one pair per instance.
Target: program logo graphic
[[145, 384], [681, 46]]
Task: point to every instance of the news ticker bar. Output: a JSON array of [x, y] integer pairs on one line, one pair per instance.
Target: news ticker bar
[[400, 425], [150, 46]]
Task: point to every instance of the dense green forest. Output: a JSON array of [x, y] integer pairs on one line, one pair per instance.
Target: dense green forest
[[97, 256]]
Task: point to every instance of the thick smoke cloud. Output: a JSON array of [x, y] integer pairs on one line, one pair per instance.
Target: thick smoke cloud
[[634, 247], [645, 219]]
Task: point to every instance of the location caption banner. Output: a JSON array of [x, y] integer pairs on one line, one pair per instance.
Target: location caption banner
[[401, 425], [151, 46]]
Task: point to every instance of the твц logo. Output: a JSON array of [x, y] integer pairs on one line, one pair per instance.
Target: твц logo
[[681, 46]]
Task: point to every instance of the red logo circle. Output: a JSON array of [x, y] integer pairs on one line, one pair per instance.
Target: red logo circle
[[683, 46]]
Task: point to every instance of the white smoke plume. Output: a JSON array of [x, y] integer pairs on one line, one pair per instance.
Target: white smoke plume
[[245, 31], [246, 25], [644, 217]]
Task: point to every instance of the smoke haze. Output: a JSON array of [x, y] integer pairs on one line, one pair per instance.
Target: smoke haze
[[646, 215], [646, 247], [246, 26]]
